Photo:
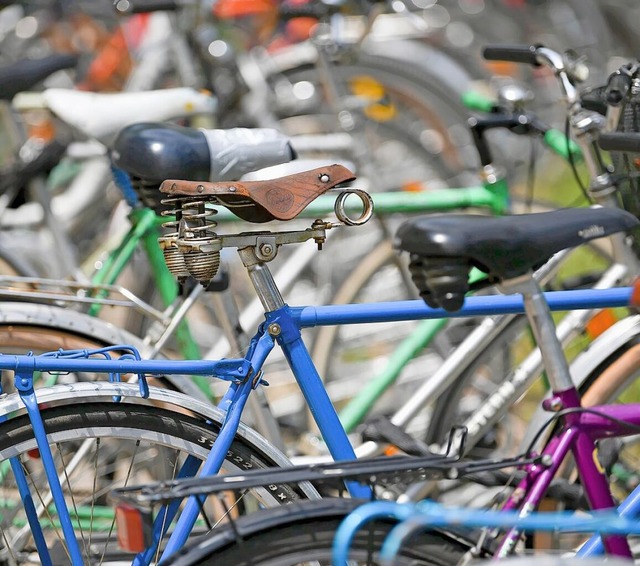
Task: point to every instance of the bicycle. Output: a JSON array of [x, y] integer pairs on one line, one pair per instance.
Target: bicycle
[[443, 249], [458, 197], [281, 324]]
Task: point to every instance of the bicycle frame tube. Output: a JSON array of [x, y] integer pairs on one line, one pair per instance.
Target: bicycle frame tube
[[396, 311], [582, 430], [287, 333], [281, 326], [233, 404]]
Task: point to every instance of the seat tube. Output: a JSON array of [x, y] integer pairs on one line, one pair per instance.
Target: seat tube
[[282, 326], [544, 330], [285, 330]]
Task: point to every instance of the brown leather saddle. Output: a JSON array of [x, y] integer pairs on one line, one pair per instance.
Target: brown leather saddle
[[261, 201]]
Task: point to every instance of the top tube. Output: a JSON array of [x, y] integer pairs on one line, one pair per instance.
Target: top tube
[[324, 315]]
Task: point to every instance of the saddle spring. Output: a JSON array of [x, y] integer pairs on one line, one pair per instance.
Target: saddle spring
[[193, 224]]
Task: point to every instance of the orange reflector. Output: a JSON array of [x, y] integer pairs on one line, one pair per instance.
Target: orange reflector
[[600, 322], [413, 186], [228, 9], [635, 294], [133, 527], [391, 451]]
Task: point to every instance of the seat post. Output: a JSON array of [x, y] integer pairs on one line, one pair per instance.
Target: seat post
[[544, 330], [262, 279]]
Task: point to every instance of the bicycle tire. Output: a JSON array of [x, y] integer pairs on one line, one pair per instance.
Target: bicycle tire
[[152, 437], [303, 533], [34, 327]]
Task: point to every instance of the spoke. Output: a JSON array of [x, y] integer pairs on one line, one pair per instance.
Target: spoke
[[13, 561], [46, 500], [126, 482], [44, 509], [227, 510], [93, 495], [73, 501]]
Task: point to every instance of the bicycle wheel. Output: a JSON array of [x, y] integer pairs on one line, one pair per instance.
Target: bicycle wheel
[[303, 534], [98, 446], [408, 125], [478, 381]]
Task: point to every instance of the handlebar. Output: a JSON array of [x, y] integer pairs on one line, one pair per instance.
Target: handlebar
[[146, 6], [513, 53], [567, 69], [620, 141]]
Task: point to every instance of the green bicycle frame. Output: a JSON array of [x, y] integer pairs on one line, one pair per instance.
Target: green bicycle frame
[[497, 193]]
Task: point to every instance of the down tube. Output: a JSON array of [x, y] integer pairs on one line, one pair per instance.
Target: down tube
[[315, 394]]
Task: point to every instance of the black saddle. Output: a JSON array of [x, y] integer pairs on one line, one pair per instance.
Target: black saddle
[[25, 74], [443, 248]]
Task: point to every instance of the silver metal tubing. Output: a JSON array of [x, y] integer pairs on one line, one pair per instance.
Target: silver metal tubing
[[544, 331], [262, 280], [524, 375], [179, 312]]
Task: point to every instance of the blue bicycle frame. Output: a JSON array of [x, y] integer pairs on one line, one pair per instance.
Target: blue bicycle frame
[[282, 325], [425, 515]]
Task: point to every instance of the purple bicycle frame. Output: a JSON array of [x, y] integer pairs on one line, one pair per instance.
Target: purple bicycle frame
[[578, 436]]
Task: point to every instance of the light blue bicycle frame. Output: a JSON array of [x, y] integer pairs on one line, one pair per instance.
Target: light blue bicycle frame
[[282, 325]]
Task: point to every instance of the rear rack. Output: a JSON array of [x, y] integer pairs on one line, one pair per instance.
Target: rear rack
[[61, 292]]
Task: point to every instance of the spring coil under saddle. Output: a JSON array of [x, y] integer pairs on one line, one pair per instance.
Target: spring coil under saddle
[[192, 223]]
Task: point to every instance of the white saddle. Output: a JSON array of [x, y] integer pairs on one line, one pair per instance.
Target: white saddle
[[102, 116]]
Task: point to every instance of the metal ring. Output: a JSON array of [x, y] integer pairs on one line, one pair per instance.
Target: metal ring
[[367, 203]]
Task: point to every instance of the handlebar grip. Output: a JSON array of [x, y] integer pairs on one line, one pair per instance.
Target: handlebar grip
[[476, 101], [620, 141], [317, 10], [146, 6], [514, 53]]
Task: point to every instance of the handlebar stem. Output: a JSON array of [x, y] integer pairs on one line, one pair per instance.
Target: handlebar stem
[[554, 61]]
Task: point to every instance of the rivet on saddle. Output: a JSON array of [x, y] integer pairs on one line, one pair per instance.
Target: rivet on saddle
[[262, 201]]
